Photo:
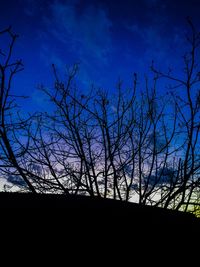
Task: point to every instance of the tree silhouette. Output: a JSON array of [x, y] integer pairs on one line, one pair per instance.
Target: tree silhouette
[[132, 145], [10, 151], [188, 122]]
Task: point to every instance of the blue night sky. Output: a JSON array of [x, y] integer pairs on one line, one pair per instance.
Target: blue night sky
[[110, 39]]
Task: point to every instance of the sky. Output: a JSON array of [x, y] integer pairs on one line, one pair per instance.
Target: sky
[[109, 39]]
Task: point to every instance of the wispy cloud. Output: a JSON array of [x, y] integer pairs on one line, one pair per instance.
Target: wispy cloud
[[158, 44], [48, 56], [86, 33], [31, 7]]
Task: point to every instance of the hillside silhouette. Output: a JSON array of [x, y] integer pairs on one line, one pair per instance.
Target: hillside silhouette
[[87, 207]]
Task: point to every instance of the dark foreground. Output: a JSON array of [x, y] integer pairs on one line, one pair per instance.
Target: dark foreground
[[98, 228], [79, 206]]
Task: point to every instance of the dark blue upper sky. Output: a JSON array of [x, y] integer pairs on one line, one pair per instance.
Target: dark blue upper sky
[[110, 39]]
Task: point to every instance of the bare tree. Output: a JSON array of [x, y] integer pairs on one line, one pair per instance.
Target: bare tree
[[185, 93], [16, 133], [131, 145], [10, 153], [109, 146]]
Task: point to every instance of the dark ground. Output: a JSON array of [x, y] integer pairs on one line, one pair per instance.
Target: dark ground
[[94, 231], [91, 207]]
